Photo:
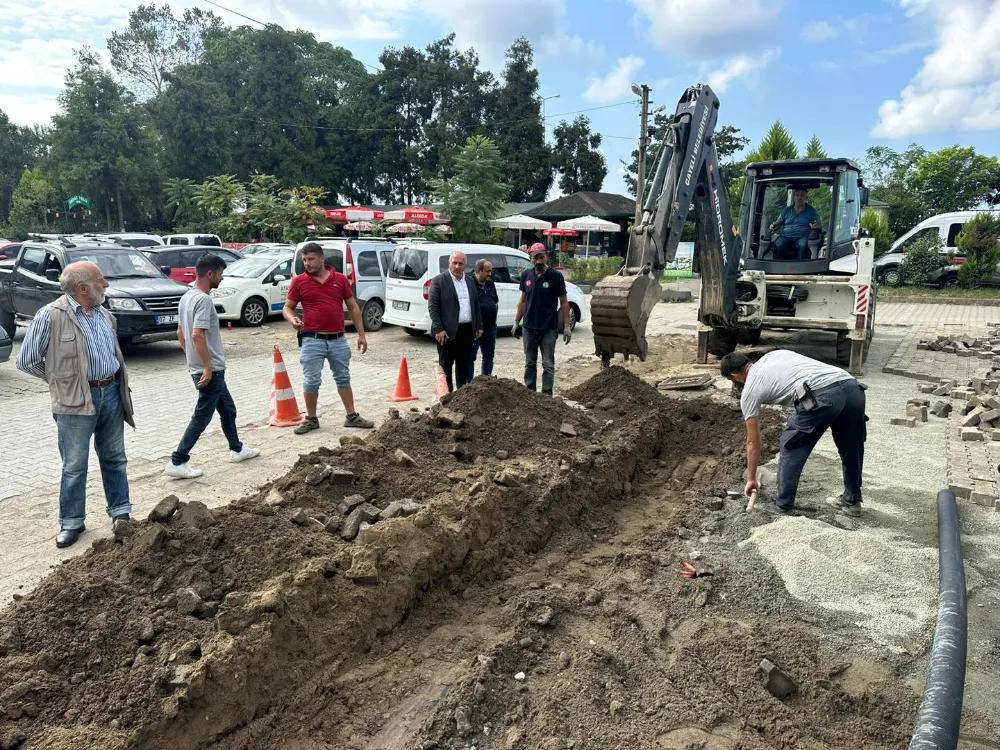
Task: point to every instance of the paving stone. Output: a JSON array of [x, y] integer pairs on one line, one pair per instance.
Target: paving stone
[[970, 434], [903, 421], [984, 498], [973, 417]]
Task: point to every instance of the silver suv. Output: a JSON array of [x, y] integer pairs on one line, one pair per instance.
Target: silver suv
[[365, 263]]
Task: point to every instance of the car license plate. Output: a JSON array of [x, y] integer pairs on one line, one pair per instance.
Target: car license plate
[[162, 320], [400, 305]]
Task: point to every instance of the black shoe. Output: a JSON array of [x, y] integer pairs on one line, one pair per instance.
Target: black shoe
[[68, 537], [311, 423], [848, 509], [356, 420]]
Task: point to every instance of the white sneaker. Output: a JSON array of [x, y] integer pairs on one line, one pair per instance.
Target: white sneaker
[[243, 455], [184, 471]]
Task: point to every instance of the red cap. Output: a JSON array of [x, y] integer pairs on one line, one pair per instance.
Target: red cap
[[538, 247]]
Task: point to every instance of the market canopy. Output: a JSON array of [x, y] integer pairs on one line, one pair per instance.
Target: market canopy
[[354, 213], [413, 214], [589, 224], [405, 227], [520, 221]]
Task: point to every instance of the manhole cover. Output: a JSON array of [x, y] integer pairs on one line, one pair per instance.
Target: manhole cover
[[685, 382]]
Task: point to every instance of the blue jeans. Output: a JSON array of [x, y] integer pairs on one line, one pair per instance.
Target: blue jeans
[[840, 407], [316, 352], [107, 428], [797, 249], [534, 340], [214, 397], [487, 343]]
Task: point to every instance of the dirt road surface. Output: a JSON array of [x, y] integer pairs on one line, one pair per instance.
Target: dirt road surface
[[527, 595]]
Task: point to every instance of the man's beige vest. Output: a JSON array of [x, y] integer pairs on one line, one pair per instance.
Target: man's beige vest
[[66, 363]]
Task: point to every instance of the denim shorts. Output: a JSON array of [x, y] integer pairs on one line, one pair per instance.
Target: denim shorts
[[317, 351]]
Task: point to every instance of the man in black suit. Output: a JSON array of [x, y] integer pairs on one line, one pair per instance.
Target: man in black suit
[[456, 321]]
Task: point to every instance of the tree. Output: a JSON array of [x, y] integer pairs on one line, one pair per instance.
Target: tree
[[878, 230], [155, 43], [777, 145], [101, 142], [956, 179], [815, 150], [180, 195], [978, 243], [577, 157], [890, 176], [923, 258], [20, 149], [518, 128], [34, 202], [475, 194]]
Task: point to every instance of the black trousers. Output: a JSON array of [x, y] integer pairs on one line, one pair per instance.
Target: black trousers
[[457, 353], [841, 409]]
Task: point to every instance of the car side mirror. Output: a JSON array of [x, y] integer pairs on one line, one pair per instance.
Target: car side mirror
[[52, 274], [276, 279], [165, 270]]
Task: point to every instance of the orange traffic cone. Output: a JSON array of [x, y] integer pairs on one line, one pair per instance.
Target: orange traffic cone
[[442, 382], [284, 408], [403, 392]]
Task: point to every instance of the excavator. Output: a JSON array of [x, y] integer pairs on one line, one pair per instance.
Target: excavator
[[754, 276]]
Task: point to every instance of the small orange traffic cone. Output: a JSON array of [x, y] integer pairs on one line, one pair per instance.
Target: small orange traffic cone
[[442, 382], [403, 392], [284, 408]]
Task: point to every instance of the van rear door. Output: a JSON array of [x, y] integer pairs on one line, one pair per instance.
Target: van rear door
[[408, 285]]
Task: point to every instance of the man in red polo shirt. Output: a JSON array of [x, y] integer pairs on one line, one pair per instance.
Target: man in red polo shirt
[[323, 292]]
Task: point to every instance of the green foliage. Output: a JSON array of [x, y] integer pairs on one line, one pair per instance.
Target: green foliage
[[923, 258], [815, 150], [180, 196], [34, 202], [979, 244], [588, 269], [475, 194], [878, 229], [956, 179], [155, 43], [577, 156], [20, 148], [518, 129], [777, 145]]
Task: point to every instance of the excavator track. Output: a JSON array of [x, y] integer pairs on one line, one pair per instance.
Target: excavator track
[[619, 310]]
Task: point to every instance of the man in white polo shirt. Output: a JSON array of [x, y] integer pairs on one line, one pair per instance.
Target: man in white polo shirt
[[823, 397]]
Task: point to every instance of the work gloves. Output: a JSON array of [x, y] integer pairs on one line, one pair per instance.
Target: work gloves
[[567, 334], [517, 329]]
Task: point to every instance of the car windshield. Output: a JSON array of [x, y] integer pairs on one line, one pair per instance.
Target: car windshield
[[117, 263], [249, 268]]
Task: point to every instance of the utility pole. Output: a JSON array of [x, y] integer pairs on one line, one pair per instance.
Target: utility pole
[[640, 183]]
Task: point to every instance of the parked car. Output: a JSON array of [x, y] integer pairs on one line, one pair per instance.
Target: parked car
[[179, 263], [6, 344], [414, 266], [946, 227], [254, 288], [144, 302], [365, 263], [137, 239], [948, 276], [256, 248], [193, 239], [9, 250]]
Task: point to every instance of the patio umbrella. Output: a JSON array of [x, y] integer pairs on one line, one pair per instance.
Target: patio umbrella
[[589, 224], [405, 227], [354, 213], [442, 228], [358, 226], [413, 215], [560, 232], [520, 222]]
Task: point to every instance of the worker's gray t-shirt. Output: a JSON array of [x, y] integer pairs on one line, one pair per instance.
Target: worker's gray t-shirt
[[774, 377], [198, 311]]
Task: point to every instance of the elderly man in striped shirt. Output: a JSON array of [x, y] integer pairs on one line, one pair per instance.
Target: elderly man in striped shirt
[[72, 344]]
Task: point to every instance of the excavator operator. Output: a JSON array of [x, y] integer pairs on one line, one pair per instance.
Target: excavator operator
[[795, 222]]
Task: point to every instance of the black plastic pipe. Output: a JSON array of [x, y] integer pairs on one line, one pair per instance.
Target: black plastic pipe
[[940, 714]]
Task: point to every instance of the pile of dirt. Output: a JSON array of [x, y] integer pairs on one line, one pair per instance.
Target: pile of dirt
[[203, 627]]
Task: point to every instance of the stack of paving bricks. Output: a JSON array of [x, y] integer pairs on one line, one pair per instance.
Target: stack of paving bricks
[[974, 448], [966, 346]]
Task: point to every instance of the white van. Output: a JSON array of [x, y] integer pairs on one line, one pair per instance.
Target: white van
[[945, 226], [193, 239], [414, 266]]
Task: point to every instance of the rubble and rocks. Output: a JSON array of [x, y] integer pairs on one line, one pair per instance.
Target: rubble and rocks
[[775, 681]]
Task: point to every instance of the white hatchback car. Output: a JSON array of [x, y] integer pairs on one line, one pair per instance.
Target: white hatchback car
[[253, 288], [413, 267]]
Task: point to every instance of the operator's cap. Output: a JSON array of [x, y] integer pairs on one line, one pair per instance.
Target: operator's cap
[[538, 248]]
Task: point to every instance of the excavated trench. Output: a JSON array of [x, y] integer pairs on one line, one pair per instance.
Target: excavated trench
[[520, 589]]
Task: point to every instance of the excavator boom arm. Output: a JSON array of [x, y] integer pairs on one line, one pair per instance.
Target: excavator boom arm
[[687, 177]]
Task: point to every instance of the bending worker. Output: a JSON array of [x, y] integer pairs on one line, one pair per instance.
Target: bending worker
[[823, 397]]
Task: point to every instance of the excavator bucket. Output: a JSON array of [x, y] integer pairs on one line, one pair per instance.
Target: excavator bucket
[[619, 310]]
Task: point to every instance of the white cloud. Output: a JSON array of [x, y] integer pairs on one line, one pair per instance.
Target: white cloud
[[956, 87], [704, 28], [24, 66], [742, 66], [615, 85], [29, 109], [819, 31]]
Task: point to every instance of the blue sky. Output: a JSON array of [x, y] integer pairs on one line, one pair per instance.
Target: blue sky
[[853, 72]]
